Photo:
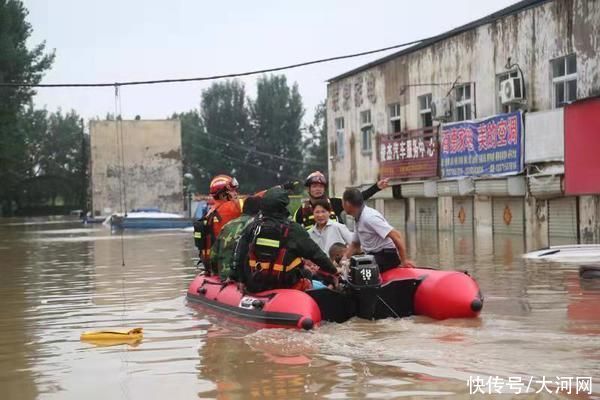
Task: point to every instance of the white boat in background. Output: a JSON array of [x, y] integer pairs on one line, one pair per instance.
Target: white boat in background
[[149, 218], [574, 253]]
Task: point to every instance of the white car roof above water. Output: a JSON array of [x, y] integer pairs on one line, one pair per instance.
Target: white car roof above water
[[567, 253]]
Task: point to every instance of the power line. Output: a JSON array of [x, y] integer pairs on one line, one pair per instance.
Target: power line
[[237, 160], [225, 141], [213, 77]]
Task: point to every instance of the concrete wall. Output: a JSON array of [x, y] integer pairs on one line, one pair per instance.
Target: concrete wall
[[536, 224], [152, 167], [589, 219]]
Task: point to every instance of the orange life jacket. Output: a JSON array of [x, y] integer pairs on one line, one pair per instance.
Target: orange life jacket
[[208, 227]]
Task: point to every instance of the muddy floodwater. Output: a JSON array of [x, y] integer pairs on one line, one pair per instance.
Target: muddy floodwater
[[540, 322]]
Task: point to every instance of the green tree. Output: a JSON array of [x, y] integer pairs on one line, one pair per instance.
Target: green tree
[[277, 117], [193, 138], [57, 155], [253, 141], [315, 144], [17, 64], [56, 158], [222, 150]]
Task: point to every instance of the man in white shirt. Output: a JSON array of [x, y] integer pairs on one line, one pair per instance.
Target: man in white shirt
[[373, 233]]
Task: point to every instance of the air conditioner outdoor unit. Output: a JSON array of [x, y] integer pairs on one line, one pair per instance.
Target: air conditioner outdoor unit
[[440, 109], [511, 90]]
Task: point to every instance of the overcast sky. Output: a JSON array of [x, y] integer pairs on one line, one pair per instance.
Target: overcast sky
[[119, 40]]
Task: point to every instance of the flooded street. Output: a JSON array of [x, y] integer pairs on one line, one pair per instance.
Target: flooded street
[[60, 279]]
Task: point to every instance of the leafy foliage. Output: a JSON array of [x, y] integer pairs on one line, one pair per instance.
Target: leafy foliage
[[315, 144], [257, 141], [17, 64]]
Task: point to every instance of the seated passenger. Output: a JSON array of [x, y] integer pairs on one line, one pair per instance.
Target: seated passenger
[[336, 253], [327, 231]]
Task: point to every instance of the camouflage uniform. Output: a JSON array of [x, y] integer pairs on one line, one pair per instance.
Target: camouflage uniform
[[221, 255]]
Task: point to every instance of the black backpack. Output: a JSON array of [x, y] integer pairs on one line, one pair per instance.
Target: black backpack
[[267, 252], [204, 235]]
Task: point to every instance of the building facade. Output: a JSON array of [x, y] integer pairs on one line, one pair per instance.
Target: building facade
[[469, 125], [136, 164]]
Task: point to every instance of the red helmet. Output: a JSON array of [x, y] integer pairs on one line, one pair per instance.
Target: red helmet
[[316, 177], [222, 183]]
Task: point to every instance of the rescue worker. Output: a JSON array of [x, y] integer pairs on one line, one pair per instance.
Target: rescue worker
[[316, 184], [270, 251], [221, 253], [226, 207]]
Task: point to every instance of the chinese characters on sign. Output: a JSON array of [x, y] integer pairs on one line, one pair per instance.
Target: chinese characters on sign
[[519, 385], [408, 158], [492, 146]]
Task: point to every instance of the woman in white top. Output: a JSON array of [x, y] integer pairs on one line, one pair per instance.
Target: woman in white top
[[327, 231]]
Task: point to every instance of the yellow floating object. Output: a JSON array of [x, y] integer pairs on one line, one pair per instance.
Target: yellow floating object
[[119, 334], [113, 342]]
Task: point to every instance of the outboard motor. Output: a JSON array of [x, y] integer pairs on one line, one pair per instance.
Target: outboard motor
[[365, 280]]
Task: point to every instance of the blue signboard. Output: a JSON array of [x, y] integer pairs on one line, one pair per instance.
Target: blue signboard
[[490, 146]]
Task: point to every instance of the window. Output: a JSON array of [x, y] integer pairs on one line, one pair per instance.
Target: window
[[425, 110], [365, 118], [464, 102], [564, 80], [504, 108], [395, 123], [339, 135], [366, 128]]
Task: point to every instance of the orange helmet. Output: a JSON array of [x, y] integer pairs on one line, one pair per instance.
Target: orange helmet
[[316, 177], [222, 183]]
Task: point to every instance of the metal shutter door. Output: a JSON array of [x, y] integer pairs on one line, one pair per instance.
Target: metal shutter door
[[447, 188], [463, 214], [413, 189], [426, 213], [508, 215], [545, 187], [562, 220], [491, 187], [395, 213]]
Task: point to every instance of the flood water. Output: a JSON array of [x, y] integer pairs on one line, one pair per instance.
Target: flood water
[[59, 279]]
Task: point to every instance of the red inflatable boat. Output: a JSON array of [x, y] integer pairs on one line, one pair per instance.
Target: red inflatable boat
[[441, 294], [280, 308], [398, 292]]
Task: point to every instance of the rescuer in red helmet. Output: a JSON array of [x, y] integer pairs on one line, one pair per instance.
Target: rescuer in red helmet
[[227, 206]]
